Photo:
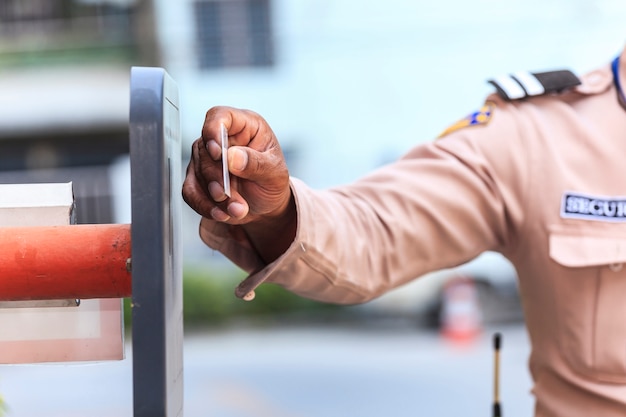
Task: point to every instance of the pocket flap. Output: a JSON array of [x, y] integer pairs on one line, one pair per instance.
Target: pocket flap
[[581, 251]]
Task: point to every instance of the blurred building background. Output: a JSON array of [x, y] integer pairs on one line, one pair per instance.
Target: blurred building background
[[64, 78], [347, 85]]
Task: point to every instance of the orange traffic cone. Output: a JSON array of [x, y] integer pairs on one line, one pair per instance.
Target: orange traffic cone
[[461, 317]]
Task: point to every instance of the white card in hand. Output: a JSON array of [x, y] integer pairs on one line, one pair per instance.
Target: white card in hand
[[225, 172]]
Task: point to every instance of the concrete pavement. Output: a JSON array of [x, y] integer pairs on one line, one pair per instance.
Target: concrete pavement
[[298, 371]]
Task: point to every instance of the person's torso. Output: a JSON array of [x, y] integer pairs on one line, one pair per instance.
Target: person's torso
[[573, 248]]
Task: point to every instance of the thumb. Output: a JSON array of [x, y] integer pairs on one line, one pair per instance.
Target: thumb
[[250, 164], [237, 160]]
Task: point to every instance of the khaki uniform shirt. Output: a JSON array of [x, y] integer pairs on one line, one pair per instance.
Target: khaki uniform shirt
[[543, 182]]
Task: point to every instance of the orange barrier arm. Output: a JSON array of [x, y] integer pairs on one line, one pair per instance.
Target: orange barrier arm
[[61, 262]]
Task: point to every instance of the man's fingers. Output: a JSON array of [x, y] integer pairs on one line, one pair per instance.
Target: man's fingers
[[259, 183], [214, 150], [204, 156], [194, 193], [197, 198], [216, 190], [205, 167], [245, 128], [236, 207], [201, 189]]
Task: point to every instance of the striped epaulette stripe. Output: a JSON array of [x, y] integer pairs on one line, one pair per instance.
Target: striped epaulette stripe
[[524, 84]]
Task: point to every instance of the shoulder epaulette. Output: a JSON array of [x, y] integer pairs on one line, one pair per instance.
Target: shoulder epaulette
[[524, 84]]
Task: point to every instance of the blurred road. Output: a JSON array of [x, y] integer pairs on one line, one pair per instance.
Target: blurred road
[[333, 371]]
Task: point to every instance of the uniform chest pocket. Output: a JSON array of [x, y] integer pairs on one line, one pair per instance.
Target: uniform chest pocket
[[591, 293]]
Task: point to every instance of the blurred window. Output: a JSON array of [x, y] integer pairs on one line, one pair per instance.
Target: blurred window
[[233, 33], [36, 32]]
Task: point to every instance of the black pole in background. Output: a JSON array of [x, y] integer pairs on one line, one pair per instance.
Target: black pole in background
[[497, 343]]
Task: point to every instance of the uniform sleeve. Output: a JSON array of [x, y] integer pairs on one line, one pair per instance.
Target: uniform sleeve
[[439, 206]]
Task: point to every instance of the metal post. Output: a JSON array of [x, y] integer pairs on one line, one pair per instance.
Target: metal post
[[155, 152]]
